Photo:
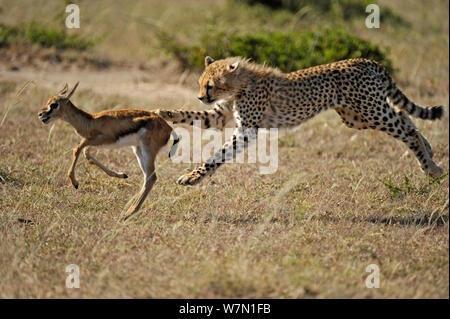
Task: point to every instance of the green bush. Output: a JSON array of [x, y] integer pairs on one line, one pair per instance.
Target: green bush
[[43, 36], [6, 34], [346, 9], [288, 51], [322, 6], [56, 38]]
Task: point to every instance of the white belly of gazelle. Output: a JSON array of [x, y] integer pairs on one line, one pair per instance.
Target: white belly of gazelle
[[127, 140], [133, 140]]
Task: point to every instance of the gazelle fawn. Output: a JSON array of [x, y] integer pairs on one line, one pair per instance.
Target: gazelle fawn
[[143, 130]]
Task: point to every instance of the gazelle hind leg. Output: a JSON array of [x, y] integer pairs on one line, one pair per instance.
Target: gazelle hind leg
[[92, 160], [146, 160]]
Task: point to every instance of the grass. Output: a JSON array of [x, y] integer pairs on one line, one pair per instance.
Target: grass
[[42, 36], [308, 231]]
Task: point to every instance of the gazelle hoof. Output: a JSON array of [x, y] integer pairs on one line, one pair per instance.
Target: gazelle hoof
[[124, 219]]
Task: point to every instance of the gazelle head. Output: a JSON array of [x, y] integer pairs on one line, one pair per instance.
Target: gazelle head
[[56, 105]]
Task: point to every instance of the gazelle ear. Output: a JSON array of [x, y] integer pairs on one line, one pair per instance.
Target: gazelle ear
[[208, 60], [64, 89], [233, 67], [73, 90]]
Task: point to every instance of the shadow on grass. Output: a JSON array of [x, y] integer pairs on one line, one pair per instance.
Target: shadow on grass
[[419, 220], [424, 219], [241, 220], [8, 179], [413, 219]]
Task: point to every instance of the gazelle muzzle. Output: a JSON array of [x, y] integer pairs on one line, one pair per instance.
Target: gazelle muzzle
[[45, 116]]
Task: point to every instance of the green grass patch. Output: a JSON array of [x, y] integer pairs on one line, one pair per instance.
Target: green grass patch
[[43, 36], [408, 187], [289, 51], [7, 34]]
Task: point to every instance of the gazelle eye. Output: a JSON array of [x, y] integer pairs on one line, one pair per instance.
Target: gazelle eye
[[54, 105]]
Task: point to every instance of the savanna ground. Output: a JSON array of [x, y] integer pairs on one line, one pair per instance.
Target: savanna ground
[[341, 199]]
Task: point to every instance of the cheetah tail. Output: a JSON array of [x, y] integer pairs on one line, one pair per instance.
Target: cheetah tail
[[426, 113]]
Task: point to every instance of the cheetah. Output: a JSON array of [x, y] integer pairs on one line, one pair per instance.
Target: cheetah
[[258, 96]]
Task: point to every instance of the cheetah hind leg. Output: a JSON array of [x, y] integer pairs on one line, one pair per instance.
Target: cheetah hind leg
[[411, 136], [402, 128], [409, 122]]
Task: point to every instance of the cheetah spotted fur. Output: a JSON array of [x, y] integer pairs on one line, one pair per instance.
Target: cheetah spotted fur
[[257, 96]]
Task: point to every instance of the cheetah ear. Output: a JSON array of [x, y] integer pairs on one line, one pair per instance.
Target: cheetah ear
[[208, 60], [233, 67]]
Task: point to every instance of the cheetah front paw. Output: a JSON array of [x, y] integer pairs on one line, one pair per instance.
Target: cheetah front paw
[[192, 178], [166, 115]]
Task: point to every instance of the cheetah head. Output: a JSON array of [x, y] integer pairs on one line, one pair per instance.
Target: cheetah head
[[219, 79]]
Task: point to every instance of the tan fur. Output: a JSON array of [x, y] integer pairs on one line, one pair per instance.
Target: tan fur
[[145, 131]]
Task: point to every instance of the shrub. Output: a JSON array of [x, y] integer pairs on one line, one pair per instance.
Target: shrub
[[288, 51], [346, 9], [6, 34], [322, 6], [43, 36], [56, 38]]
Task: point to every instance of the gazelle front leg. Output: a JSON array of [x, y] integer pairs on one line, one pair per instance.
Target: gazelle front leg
[[146, 159], [239, 141], [76, 154], [92, 160]]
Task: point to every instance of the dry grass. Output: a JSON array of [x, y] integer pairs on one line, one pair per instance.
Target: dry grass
[[309, 230]]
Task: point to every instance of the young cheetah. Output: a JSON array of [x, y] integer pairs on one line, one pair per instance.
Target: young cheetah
[[257, 96]]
